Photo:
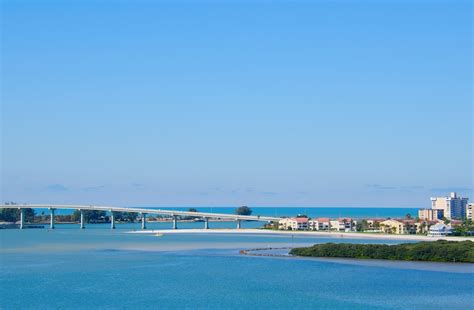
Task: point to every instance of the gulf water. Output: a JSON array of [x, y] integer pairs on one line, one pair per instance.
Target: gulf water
[[69, 268], [332, 212]]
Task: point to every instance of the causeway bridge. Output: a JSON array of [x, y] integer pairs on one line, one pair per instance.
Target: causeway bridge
[[142, 211]]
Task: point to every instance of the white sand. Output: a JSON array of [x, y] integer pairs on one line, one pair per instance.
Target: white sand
[[300, 233]]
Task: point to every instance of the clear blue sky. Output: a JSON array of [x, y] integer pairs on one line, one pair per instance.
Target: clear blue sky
[[291, 103]]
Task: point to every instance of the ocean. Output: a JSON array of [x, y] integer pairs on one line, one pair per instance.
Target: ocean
[[332, 212]]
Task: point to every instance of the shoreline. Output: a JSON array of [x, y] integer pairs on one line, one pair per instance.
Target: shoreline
[[385, 263], [340, 235]]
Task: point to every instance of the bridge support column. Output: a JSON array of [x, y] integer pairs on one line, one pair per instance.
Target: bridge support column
[[238, 224], [22, 218], [82, 219], [206, 223], [112, 220], [175, 222], [143, 220], [51, 223]]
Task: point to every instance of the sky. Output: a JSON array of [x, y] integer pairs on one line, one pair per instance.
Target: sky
[[259, 103]]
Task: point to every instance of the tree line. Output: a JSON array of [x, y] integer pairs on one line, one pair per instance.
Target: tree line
[[434, 251], [13, 215]]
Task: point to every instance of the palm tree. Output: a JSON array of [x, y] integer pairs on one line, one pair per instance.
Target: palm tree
[[423, 227]]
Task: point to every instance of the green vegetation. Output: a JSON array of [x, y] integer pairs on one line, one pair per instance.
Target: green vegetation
[[125, 216], [13, 215], [90, 216], [436, 251], [273, 225], [244, 210], [465, 229], [362, 225]]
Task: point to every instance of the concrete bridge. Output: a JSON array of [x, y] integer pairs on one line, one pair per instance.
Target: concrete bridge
[[143, 212]]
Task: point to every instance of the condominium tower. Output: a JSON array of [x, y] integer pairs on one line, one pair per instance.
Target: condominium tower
[[453, 207]]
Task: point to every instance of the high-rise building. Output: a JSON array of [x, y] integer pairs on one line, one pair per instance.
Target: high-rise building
[[453, 207]]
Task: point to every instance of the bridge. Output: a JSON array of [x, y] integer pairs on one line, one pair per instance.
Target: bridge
[[143, 212]]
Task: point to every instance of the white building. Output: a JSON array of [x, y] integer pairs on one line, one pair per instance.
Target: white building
[[469, 211], [453, 207], [321, 223], [294, 223], [439, 229], [342, 224]]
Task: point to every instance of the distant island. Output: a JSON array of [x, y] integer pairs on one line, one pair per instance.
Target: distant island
[[436, 251]]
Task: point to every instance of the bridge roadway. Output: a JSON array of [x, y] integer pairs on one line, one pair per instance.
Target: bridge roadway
[[143, 212]]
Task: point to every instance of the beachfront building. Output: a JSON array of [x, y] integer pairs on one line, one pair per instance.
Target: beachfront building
[[453, 207], [342, 224], [321, 223], [416, 227], [469, 211], [393, 227], [422, 227], [285, 224], [430, 214], [294, 223], [373, 225], [439, 229]]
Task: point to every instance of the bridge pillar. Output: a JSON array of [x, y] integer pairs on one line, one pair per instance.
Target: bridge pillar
[[206, 223], [143, 220], [175, 222], [238, 224], [112, 220], [82, 219], [51, 224], [22, 218]]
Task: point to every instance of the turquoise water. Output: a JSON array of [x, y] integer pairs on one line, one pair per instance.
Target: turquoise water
[[332, 212], [99, 268], [319, 211]]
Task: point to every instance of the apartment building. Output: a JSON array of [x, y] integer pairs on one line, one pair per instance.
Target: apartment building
[[453, 207]]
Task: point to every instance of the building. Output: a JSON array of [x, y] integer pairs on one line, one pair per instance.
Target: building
[[321, 223], [430, 214], [393, 227], [453, 207], [294, 223], [416, 227], [285, 224], [373, 225], [439, 229], [469, 211], [342, 224]]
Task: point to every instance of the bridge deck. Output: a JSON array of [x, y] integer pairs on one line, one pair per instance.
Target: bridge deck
[[146, 211]]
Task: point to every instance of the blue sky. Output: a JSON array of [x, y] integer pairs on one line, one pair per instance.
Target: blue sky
[[286, 103]]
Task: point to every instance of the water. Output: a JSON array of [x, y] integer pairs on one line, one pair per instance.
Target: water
[[332, 212], [100, 268]]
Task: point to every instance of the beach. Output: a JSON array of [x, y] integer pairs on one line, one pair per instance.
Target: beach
[[301, 233]]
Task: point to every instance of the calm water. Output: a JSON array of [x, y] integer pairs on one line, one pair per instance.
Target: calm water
[[98, 268], [321, 212], [292, 211]]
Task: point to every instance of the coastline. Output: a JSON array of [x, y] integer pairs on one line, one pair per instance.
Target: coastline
[[386, 263], [341, 235]]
